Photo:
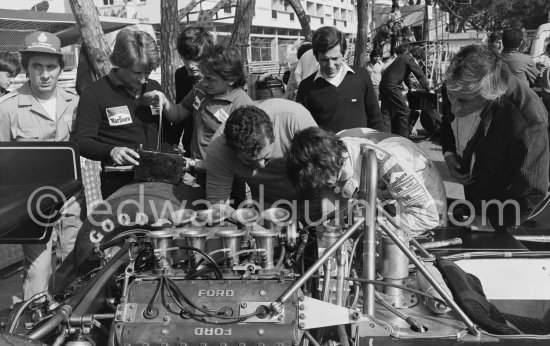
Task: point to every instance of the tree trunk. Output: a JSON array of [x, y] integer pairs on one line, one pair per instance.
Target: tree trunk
[[241, 29], [185, 11], [168, 52], [302, 17], [361, 46], [93, 38]]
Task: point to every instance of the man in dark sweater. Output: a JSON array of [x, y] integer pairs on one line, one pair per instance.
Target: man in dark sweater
[[395, 110], [339, 97], [113, 120], [192, 42]]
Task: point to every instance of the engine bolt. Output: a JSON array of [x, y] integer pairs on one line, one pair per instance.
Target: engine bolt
[[355, 315], [262, 293], [166, 318], [294, 303], [301, 298], [261, 331], [120, 308], [243, 305], [164, 331], [302, 325], [302, 316], [131, 306], [119, 317], [302, 307], [280, 318]]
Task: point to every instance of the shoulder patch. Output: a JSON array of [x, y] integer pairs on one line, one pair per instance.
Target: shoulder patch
[[9, 96]]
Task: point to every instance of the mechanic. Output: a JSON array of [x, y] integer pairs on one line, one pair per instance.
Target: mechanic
[[408, 181], [113, 119], [252, 146], [41, 111], [192, 43], [495, 141], [395, 110]]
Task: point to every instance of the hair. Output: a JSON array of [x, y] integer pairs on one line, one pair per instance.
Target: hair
[[247, 129], [135, 48], [9, 63], [394, 7], [225, 61], [375, 52], [516, 23], [547, 49], [26, 57], [512, 38], [402, 49], [326, 38], [304, 47], [314, 156], [495, 36], [192, 42], [478, 70]]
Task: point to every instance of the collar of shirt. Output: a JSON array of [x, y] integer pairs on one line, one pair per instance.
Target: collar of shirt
[[229, 97], [27, 99], [119, 84], [336, 80]]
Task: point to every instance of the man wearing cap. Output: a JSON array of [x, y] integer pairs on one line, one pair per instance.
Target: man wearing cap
[[40, 111]]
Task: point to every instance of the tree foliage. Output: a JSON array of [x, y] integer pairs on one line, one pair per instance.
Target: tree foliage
[[492, 15]]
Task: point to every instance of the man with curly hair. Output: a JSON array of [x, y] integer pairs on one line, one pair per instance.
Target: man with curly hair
[[252, 146], [409, 184]]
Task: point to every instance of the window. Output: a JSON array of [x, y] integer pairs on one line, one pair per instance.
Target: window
[[108, 2], [274, 14], [291, 16], [227, 8], [261, 49], [322, 20]]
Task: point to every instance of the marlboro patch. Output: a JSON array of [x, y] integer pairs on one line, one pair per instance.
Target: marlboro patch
[[118, 116]]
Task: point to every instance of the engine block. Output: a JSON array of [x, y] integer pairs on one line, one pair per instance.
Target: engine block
[[226, 301]]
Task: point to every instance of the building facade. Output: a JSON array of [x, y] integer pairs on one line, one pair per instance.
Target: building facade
[[275, 30]]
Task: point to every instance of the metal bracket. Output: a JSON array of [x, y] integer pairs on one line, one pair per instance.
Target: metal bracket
[[126, 313], [314, 313], [251, 307]]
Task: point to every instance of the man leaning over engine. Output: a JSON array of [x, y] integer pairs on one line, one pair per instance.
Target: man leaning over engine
[[409, 184]]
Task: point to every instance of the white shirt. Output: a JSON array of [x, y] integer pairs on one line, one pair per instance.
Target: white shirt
[[49, 106], [375, 72], [306, 66], [336, 80]]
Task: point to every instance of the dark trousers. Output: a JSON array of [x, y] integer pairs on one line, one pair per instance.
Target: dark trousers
[[395, 111]]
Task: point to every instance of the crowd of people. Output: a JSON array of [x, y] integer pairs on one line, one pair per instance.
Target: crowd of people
[[306, 148]]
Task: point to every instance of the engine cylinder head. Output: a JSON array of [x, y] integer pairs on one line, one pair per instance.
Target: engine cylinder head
[[265, 239], [191, 237], [162, 240], [231, 239], [275, 218]]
